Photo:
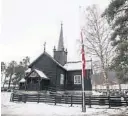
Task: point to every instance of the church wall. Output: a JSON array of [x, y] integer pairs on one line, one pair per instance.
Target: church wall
[[70, 81], [87, 80], [46, 65], [59, 72], [51, 69]]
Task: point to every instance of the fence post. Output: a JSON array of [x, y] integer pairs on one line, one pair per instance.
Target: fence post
[[25, 99], [125, 97], [45, 98], [82, 100], [71, 100], [11, 98], [127, 100], [109, 102], [89, 101], [38, 97], [55, 99]]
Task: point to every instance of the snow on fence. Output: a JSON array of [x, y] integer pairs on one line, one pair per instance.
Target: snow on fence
[[71, 99]]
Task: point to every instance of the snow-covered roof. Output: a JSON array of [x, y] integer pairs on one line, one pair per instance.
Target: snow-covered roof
[[14, 75], [70, 66], [22, 80], [28, 70], [41, 74]]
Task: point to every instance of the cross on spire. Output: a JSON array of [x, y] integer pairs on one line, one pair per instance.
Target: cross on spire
[[44, 46]]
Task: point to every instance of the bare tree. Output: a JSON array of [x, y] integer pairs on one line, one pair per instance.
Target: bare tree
[[10, 71], [3, 71], [96, 39]]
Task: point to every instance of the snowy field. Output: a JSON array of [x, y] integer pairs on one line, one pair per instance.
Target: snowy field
[[116, 86], [42, 109]]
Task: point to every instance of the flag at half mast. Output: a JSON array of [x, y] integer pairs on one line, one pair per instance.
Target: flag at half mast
[[83, 56]]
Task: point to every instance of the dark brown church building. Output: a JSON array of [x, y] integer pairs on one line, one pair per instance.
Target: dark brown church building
[[56, 72]]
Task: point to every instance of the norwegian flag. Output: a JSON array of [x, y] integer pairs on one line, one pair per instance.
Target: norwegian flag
[[83, 56]]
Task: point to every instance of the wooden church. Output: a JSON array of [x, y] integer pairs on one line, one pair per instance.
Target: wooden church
[[56, 72]]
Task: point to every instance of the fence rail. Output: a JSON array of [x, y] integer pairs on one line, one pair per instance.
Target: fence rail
[[111, 101]]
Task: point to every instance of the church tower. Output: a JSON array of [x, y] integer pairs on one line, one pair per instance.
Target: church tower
[[60, 55]]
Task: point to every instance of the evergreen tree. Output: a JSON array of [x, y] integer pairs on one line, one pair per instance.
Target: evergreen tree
[[117, 16]]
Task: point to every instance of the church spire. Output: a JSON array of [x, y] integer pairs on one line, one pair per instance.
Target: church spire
[[61, 43], [60, 55]]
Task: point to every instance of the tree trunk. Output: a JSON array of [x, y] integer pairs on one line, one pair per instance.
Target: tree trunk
[[9, 81], [106, 80], [119, 86], [4, 81], [2, 74], [105, 76]]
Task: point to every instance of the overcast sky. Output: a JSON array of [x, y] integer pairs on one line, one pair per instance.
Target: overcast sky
[[27, 24]]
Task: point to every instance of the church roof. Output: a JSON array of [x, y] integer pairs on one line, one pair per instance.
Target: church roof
[[36, 73], [41, 74], [55, 61], [28, 70], [70, 66], [45, 53]]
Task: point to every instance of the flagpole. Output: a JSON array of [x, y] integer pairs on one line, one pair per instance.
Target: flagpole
[[83, 95]]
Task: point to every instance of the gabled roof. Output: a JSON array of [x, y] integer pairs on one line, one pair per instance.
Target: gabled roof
[[70, 66], [45, 53], [39, 73], [28, 70]]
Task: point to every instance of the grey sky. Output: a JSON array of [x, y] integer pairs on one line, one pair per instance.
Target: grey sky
[[27, 24]]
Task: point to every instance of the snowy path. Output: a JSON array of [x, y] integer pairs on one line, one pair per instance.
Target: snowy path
[[42, 109]]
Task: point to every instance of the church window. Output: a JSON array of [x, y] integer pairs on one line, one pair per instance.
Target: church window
[[77, 79], [61, 78]]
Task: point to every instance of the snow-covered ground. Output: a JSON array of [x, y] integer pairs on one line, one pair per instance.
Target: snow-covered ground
[[44, 109], [116, 86]]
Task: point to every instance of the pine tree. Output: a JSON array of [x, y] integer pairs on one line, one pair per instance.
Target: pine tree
[[117, 16]]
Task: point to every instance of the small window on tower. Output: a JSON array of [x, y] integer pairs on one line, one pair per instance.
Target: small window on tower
[[61, 79], [77, 79]]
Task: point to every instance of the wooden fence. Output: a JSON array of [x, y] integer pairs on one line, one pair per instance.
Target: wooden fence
[[111, 101]]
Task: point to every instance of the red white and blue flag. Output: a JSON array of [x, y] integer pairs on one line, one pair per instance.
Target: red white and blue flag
[[83, 56]]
